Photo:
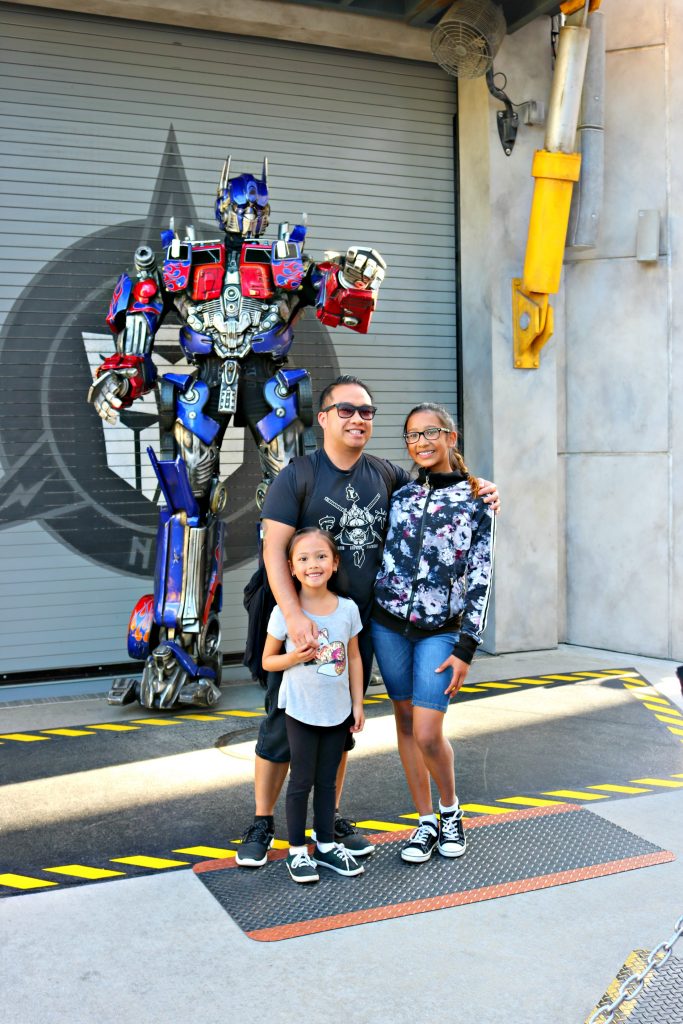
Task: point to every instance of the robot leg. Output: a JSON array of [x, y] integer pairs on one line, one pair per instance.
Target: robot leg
[[185, 667], [176, 631], [287, 430]]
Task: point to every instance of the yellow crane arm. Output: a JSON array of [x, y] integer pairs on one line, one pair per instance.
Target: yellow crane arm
[[532, 315], [555, 169]]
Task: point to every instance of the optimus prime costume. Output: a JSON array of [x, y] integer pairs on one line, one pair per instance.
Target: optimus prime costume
[[238, 298]]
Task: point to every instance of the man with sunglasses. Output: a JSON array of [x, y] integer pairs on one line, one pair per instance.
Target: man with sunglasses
[[349, 496]]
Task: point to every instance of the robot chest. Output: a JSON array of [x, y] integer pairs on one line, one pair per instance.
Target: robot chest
[[203, 270], [230, 311]]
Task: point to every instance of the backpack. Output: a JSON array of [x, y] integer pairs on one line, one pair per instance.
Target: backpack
[[259, 599]]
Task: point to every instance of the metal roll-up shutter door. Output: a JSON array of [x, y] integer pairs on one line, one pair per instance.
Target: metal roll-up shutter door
[[110, 126]]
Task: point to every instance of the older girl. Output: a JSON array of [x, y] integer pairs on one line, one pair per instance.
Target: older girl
[[431, 598]]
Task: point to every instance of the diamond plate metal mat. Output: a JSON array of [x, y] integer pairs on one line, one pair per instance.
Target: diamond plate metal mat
[[662, 1000], [659, 1002], [522, 851]]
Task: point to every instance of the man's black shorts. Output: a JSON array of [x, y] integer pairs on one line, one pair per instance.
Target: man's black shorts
[[272, 743]]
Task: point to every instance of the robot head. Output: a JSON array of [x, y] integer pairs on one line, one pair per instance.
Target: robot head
[[242, 204]]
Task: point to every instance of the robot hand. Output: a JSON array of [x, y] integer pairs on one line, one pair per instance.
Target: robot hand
[[362, 268], [107, 392], [119, 381]]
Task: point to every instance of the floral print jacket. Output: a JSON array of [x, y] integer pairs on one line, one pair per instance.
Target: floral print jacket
[[438, 558]]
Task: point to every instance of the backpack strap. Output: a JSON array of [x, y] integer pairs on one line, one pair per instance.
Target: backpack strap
[[305, 478], [387, 471]]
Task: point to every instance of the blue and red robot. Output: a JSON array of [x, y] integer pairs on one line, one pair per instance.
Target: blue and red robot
[[237, 298]]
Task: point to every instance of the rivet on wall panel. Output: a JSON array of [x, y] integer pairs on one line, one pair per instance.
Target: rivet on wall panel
[[647, 238]]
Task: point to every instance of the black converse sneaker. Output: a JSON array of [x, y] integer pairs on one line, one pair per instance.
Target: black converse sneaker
[[420, 846], [302, 867], [349, 836], [254, 845], [452, 842], [345, 833], [338, 859]]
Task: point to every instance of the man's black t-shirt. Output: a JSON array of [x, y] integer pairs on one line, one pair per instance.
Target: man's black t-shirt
[[351, 504]]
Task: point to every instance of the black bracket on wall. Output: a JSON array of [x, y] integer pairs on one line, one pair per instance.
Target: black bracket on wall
[[508, 120]]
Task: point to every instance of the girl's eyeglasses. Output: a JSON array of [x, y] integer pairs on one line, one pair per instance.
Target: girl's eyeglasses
[[345, 410], [429, 434]]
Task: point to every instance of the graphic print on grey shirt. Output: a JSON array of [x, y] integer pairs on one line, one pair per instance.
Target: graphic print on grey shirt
[[318, 693]]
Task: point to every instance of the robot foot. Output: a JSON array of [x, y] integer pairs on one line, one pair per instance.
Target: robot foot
[[124, 690], [172, 677], [202, 692]]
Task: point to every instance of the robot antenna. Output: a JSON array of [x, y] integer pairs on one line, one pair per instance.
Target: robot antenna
[[225, 174], [264, 173]]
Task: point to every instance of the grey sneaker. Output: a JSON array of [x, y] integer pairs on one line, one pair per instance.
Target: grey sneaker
[[254, 845], [348, 835], [452, 842], [420, 846], [302, 868], [338, 859]]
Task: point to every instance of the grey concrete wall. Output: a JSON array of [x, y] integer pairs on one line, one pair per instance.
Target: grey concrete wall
[[674, 79], [509, 415], [267, 19], [618, 457], [586, 450]]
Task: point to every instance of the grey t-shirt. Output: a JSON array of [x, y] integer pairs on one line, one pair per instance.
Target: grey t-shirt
[[318, 693]]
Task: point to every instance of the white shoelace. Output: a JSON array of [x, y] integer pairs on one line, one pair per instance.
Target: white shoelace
[[423, 832], [343, 854], [302, 860], [449, 827]]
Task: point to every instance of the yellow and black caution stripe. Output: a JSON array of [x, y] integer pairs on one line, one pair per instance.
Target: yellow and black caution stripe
[[137, 724], [130, 725], [115, 867], [663, 710], [523, 682], [584, 795]]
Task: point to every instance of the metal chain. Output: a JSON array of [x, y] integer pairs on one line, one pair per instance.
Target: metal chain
[[635, 983]]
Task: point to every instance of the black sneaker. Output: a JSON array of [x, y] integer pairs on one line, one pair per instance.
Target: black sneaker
[[349, 836], [338, 859], [420, 846], [302, 867], [254, 845], [452, 842]]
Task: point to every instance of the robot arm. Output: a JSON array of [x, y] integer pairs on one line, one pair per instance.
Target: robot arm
[[347, 290], [134, 316]]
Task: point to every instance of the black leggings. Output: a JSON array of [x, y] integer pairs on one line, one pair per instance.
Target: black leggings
[[316, 751]]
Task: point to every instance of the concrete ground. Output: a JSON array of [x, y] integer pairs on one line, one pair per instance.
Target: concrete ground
[[159, 948]]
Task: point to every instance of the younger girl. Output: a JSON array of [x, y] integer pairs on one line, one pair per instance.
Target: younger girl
[[322, 693], [431, 599]]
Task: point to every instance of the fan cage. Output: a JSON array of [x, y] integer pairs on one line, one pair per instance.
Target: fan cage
[[468, 37]]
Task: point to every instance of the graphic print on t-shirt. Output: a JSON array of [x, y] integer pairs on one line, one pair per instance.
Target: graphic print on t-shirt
[[331, 658], [356, 525]]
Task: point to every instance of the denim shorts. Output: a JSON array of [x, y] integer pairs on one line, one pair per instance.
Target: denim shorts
[[407, 666]]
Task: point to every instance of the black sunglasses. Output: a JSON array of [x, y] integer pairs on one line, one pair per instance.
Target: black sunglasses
[[345, 410]]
